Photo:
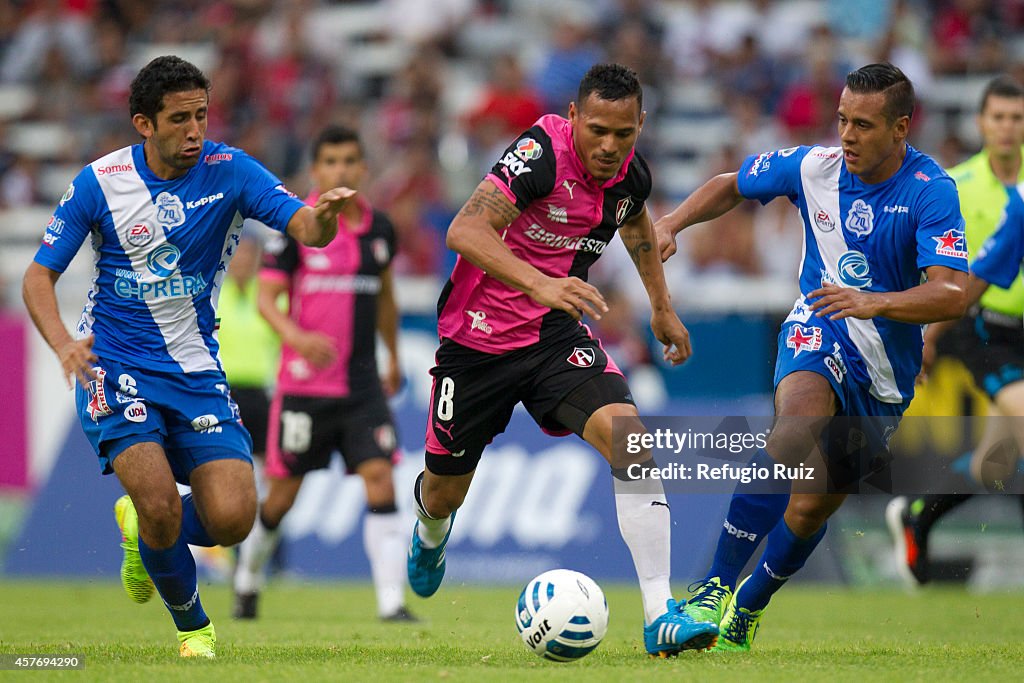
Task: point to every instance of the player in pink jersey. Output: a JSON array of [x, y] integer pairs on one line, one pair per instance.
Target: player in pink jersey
[[329, 395], [510, 330]]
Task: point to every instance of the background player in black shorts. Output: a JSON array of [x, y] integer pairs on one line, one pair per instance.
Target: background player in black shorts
[[989, 341], [329, 395]]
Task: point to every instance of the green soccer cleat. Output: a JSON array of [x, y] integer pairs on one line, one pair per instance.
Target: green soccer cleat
[[134, 576], [709, 601], [738, 627], [198, 643]]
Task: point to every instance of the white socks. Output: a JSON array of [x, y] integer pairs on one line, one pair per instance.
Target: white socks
[[646, 527], [431, 531], [253, 553], [384, 539]]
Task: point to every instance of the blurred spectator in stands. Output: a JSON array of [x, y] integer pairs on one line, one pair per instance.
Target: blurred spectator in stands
[[410, 110], [632, 44], [506, 108], [296, 92], [644, 12], [952, 150], [749, 73], [807, 107], [231, 102], [51, 24], [411, 191], [755, 131], [725, 244], [435, 23], [697, 33], [19, 185], [967, 37], [569, 54], [905, 42]]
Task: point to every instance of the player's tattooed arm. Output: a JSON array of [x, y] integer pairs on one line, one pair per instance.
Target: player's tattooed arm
[[490, 203]]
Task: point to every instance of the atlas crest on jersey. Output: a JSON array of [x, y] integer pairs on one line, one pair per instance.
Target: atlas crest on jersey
[[170, 212], [622, 209], [582, 357], [802, 338]]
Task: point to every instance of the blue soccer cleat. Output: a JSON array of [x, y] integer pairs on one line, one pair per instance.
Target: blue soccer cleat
[[675, 631], [425, 566]]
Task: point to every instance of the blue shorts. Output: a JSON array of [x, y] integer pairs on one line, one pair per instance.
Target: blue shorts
[[192, 416], [857, 440]]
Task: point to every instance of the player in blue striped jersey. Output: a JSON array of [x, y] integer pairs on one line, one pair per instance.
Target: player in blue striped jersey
[[877, 215], [164, 217]]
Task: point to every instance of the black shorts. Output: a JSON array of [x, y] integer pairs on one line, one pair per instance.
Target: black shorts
[[991, 346], [254, 409], [474, 394], [306, 430]]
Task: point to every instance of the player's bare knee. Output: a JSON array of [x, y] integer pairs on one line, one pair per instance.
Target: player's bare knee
[[159, 519], [377, 478], [231, 527]]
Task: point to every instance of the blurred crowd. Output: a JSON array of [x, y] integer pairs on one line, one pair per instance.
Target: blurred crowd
[[439, 88]]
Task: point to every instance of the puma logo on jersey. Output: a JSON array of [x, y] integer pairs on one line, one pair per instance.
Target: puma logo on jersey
[[568, 186]]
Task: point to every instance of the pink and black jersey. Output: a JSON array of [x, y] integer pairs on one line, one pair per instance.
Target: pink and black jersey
[[567, 218], [333, 290]]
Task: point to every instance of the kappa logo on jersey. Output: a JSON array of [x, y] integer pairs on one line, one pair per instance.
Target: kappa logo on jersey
[[622, 209], [803, 339], [860, 220], [824, 221], [204, 201], [557, 214], [952, 243], [136, 412], [854, 270], [529, 149], [139, 235], [170, 212], [582, 357], [68, 194], [98, 406], [479, 318], [761, 163]]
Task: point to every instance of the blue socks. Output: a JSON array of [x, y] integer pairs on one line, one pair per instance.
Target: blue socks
[[191, 528], [756, 508], [784, 555], [173, 569]]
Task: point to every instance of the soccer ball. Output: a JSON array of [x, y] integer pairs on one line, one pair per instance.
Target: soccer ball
[[562, 615]]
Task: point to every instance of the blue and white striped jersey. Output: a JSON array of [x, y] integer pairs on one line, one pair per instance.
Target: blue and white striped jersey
[[877, 238], [161, 249], [1000, 259]]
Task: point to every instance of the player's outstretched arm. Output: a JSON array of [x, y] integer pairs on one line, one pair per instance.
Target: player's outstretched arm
[[942, 297], [638, 236], [316, 226], [475, 234], [38, 289], [717, 196]]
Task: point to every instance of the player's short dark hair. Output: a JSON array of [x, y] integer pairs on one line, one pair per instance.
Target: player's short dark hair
[[1001, 86], [163, 75], [610, 82], [335, 135], [888, 79]]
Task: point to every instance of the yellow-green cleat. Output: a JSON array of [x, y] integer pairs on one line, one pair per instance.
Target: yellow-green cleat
[[738, 627], [198, 643], [134, 576], [710, 598]]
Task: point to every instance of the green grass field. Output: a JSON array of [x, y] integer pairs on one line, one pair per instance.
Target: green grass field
[[318, 632]]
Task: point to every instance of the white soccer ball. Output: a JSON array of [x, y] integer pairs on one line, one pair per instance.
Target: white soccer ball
[[562, 615]]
